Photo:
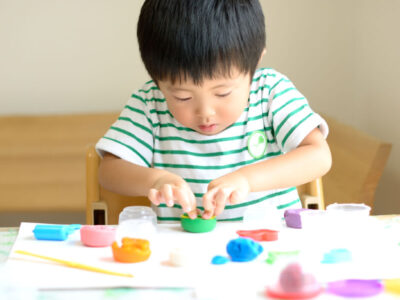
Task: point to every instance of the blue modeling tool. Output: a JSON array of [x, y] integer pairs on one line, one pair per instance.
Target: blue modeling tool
[[54, 232]]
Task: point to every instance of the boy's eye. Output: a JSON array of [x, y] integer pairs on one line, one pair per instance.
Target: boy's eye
[[223, 95], [183, 99]]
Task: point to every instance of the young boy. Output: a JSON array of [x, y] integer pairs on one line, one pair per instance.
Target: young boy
[[209, 131]]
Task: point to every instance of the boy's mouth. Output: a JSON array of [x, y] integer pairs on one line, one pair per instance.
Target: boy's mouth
[[208, 128]]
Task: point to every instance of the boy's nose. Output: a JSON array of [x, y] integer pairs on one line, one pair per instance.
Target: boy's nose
[[205, 110]]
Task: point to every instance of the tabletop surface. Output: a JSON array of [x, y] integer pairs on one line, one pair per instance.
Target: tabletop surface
[[7, 238], [9, 234]]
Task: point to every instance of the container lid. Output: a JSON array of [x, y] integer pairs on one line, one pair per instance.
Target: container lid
[[198, 225], [355, 288]]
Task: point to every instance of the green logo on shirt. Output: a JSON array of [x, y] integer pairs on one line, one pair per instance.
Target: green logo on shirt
[[257, 144]]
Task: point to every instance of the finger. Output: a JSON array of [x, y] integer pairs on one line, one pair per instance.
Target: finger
[[182, 199], [193, 214], [153, 196], [220, 199], [207, 214], [194, 211], [199, 211], [208, 199], [160, 197], [209, 203], [166, 191], [234, 197]]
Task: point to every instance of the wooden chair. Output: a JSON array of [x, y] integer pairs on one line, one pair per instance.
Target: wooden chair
[[358, 163], [312, 194], [103, 207]]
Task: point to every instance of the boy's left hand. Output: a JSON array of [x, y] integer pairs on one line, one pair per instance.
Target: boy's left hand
[[231, 188]]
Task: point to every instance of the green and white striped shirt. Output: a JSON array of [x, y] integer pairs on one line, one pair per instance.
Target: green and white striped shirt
[[148, 135]]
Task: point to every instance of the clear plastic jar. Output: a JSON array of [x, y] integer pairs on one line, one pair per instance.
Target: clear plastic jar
[[136, 222], [138, 213]]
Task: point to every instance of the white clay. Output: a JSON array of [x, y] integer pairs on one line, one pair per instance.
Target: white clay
[[178, 257]]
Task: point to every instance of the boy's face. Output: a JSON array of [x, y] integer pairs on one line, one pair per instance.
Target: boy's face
[[211, 107]]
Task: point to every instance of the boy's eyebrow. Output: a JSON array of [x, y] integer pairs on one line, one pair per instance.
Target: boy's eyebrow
[[223, 85], [172, 88]]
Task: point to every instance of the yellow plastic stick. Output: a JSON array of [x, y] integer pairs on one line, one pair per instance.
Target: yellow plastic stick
[[74, 264]]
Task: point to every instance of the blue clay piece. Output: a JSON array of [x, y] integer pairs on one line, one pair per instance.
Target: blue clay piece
[[219, 260], [337, 256], [243, 249]]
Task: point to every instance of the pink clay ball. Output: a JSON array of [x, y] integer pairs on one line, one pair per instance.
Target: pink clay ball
[[293, 279]]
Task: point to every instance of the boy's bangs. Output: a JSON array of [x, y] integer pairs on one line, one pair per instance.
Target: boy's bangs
[[198, 75]]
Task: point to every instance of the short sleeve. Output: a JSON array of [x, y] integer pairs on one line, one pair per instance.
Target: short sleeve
[[290, 114], [131, 135]]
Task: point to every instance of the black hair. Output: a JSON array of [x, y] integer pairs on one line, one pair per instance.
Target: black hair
[[197, 39]]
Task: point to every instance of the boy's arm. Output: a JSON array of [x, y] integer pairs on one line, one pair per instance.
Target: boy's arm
[[122, 177], [310, 160]]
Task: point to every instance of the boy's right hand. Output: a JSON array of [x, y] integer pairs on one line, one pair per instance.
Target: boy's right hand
[[170, 189]]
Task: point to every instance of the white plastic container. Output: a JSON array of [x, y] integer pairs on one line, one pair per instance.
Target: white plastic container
[[351, 221], [349, 209]]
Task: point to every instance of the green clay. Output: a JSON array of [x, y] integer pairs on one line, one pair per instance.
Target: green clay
[[197, 225], [273, 256]]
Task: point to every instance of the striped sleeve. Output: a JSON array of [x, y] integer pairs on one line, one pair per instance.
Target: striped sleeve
[[291, 116], [131, 135]]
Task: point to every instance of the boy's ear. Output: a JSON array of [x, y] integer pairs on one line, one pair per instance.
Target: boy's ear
[[262, 55]]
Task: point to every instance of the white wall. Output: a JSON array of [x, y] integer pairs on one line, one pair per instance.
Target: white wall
[[76, 56], [344, 55], [60, 56], [377, 86]]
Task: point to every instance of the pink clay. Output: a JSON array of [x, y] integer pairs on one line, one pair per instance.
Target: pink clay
[[97, 235]]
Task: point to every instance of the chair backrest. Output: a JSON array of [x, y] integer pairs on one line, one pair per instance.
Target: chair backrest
[[358, 161], [103, 207]]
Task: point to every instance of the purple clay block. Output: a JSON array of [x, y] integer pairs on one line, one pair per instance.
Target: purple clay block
[[293, 218], [354, 288]]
